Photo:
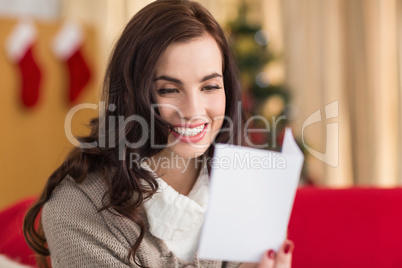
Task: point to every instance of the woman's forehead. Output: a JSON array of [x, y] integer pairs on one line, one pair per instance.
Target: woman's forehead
[[196, 57]]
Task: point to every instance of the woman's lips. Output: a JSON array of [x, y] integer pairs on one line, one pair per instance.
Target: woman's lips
[[189, 125], [189, 133]]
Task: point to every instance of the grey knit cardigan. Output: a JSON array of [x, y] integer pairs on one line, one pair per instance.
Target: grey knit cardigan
[[80, 236]]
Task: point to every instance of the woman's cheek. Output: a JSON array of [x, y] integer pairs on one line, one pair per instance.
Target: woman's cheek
[[218, 104], [167, 110]]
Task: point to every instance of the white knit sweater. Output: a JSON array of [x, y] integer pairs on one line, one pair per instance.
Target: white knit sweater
[[177, 219], [80, 234]]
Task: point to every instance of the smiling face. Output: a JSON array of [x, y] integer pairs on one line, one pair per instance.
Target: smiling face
[[190, 94]]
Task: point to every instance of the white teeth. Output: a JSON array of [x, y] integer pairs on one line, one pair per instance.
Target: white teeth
[[189, 131]]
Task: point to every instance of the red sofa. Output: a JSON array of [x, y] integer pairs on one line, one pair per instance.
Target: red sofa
[[343, 228], [12, 242]]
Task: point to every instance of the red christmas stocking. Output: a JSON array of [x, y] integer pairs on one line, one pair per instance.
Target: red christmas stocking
[[68, 47], [19, 49]]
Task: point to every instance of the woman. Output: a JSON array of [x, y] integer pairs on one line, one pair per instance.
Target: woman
[[135, 193]]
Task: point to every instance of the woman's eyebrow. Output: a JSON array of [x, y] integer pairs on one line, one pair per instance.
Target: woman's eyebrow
[[177, 81], [168, 78], [206, 78]]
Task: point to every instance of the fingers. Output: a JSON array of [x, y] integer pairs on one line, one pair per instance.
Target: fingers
[[267, 260], [270, 259], [284, 255], [281, 259]]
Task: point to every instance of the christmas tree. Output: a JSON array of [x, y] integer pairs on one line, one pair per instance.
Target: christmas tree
[[264, 101]]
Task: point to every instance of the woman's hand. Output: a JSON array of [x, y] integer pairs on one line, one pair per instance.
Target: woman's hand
[[280, 259]]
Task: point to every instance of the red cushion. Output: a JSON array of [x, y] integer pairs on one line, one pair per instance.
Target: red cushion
[[347, 228], [12, 242]]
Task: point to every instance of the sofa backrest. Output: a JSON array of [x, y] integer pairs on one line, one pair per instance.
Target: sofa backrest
[[354, 227], [12, 242]]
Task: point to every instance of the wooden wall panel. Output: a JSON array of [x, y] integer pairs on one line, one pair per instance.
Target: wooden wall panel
[[32, 141]]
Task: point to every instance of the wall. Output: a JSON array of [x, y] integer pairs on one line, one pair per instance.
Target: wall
[[32, 140]]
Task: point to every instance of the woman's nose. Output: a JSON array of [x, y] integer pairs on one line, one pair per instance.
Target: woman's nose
[[193, 106]]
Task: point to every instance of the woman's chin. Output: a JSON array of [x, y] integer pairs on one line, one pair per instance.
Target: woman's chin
[[188, 151], [186, 148]]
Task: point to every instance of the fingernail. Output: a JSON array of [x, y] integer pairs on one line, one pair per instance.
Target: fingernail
[[287, 248], [271, 254]]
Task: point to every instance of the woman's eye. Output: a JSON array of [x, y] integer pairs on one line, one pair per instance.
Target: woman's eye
[[165, 91], [211, 87]]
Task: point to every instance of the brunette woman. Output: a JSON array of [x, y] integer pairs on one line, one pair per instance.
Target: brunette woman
[[135, 192]]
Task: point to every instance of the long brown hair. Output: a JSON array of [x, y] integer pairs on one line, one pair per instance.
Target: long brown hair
[[128, 88]]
